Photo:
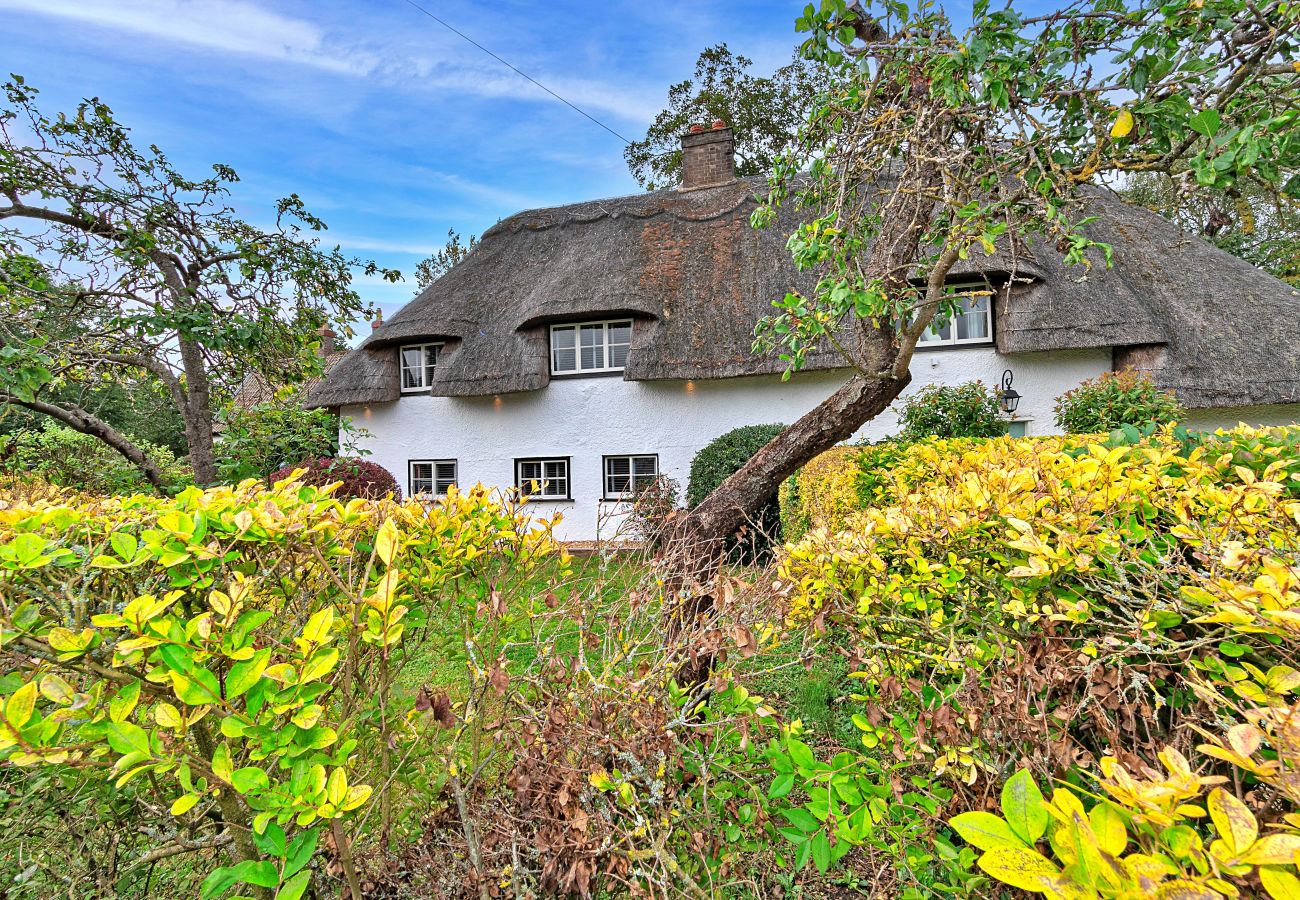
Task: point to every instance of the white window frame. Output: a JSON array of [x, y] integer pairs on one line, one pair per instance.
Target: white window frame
[[576, 328], [548, 489], [952, 340], [632, 475], [438, 483], [426, 370]]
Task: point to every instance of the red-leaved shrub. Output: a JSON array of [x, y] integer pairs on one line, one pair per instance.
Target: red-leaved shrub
[[360, 477]]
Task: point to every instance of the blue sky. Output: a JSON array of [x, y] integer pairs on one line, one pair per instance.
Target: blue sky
[[390, 127]]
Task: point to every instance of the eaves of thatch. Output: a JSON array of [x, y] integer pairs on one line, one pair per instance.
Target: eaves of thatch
[[697, 278]]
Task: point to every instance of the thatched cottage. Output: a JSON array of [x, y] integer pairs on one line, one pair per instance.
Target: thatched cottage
[[592, 347]]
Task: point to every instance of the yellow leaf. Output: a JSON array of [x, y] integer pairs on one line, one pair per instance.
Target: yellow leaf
[[1108, 825], [337, 788], [56, 690], [19, 708], [184, 804], [1123, 124], [1234, 821], [1186, 889], [1280, 884], [1020, 868], [1273, 850], [386, 542], [318, 626], [167, 716]]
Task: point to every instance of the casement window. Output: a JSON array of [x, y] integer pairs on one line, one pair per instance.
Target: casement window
[[546, 479], [590, 347], [430, 476], [972, 323], [418, 364], [625, 476]]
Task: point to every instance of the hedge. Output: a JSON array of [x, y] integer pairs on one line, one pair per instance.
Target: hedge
[[1117, 618]]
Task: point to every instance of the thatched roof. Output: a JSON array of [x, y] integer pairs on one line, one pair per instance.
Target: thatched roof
[[696, 277]]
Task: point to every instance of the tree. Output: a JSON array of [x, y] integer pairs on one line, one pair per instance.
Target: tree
[[158, 277], [436, 265], [1249, 220], [938, 144], [764, 113]]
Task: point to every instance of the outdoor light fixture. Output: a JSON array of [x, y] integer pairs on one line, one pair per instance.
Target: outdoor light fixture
[[1009, 396]]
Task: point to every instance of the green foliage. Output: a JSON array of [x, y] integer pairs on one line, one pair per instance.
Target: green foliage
[[71, 459], [951, 411], [269, 436], [763, 112], [721, 458], [1034, 108], [1113, 400], [355, 477], [245, 687], [437, 264]]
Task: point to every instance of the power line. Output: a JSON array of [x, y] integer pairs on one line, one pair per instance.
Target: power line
[[503, 62]]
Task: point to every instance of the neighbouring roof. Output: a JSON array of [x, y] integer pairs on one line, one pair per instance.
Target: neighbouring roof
[[255, 389], [697, 278]]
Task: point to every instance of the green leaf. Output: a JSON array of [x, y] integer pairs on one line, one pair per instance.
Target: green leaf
[[1020, 867], [1205, 122], [243, 675], [271, 841], [125, 737], [249, 778], [259, 872], [124, 544], [294, 887], [218, 882], [985, 831], [1022, 804], [821, 852], [800, 753], [802, 819], [781, 785], [300, 852]]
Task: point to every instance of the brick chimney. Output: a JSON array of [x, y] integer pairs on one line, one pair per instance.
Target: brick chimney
[[708, 157], [328, 340]]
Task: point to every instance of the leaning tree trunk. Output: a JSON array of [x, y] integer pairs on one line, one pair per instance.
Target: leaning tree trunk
[[80, 420]]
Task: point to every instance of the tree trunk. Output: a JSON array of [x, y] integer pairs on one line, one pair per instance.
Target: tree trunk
[[79, 420], [197, 413], [834, 420]]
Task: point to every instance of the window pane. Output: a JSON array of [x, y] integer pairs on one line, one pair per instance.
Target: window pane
[[530, 472], [411, 370], [445, 476], [564, 358], [645, 470], [593, 347], [421, 478], [973, 321], [618, 475], [620, 337], [933, 335]]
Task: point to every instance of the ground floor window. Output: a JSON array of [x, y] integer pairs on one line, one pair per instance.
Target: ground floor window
[[626, 475], [430, 476], [545, 478], [1018, 428]]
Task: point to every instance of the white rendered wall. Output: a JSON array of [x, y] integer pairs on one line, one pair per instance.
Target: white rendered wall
[[588, 418]]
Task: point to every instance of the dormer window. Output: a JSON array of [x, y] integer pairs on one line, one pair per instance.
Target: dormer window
[[590, 347], [419, 361], [972, 323]]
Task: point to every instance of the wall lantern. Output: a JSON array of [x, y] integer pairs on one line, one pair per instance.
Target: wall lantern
[[1008, 396]]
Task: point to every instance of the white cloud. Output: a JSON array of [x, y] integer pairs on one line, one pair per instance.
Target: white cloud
[[228, 26], [244, 28]]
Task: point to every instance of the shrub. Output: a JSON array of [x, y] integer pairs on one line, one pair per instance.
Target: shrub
[[950, 411], [70, 459], [721, 458], [219, 666], [357, 477], [270, 436], [1113, 400], [653, 510], [1079, 609]]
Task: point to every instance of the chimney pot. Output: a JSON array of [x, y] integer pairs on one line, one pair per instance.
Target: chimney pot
[[718, 124], [708, 157], [378, 322]]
